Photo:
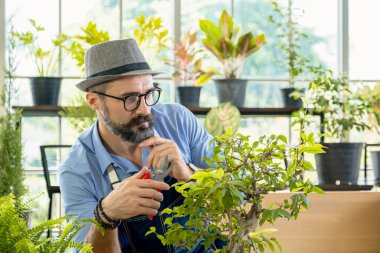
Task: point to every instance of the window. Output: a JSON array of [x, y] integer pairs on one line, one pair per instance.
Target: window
[[265, 70]]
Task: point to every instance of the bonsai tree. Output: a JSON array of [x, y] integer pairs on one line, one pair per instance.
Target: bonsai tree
[[230, 49], [188, 62], [45, 59], [221, 118], [16, 237], [225, 202], [11, 166]]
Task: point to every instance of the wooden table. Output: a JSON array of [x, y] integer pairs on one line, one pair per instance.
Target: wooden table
[[336, 222]]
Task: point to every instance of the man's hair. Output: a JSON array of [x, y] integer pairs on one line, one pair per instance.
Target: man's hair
[[98, 88]]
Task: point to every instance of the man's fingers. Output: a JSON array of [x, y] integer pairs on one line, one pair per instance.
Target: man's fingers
[[153, 184], [149, 203], [139, 174], [147, 211], [151, 194], [153, 141]]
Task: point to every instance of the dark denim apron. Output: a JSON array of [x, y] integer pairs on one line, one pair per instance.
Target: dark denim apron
[[132, 231]]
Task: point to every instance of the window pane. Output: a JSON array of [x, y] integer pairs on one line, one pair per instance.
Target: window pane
[[47, 17], [76, 14], [364, 46], [319, 47], [320, 21], [37, 131], [192, 11]]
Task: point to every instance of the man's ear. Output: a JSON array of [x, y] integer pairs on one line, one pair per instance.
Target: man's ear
[[93, 100]]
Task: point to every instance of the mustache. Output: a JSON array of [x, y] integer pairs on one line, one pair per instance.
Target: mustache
[[140, 119]]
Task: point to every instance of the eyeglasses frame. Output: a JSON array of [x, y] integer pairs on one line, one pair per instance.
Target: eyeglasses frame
[[139, 101]]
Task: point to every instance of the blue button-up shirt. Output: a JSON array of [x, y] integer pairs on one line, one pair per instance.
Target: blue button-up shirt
[[83, 174]]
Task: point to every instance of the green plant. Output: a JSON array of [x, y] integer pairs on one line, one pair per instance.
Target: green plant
[[230, 49], [81, 42], [188, 62], [79, 114], [151, 36], [11, 167], [224, 116], [45, 60], [341, 109], [226, 202], [16, 237], [285, 20], [371, 97]]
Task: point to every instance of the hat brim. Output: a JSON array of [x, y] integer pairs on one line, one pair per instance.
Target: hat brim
[[91, 82]]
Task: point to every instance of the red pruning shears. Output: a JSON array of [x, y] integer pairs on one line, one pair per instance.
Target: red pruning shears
[[163, 170]]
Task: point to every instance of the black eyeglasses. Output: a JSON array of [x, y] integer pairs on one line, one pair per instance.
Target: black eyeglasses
[[131, 102]]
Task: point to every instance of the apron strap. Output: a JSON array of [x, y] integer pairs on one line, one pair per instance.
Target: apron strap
[[114, 179]]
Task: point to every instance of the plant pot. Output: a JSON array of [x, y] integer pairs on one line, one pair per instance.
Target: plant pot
[[340, 164], [189, 95], [290, 102], [375, 157], [231, 90], [45, 90]]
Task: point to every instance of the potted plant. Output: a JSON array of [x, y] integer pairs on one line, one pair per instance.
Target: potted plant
[[11, 167], [371, 96], [342, 112], [285, 20], [231, 50], [189, 70], [16, 237], [46, 86], [225, 203]]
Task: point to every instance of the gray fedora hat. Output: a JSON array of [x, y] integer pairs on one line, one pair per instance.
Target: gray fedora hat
[[111, 60]]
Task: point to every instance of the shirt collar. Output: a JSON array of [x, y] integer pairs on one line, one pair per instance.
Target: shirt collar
[[104, 156]]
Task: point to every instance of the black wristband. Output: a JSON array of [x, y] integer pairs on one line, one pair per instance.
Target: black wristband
[[108, 226], [100, 208]]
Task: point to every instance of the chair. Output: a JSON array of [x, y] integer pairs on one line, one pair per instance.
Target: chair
[[51, 156]]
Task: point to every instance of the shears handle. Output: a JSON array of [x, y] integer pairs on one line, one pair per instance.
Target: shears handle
[[147, 176]]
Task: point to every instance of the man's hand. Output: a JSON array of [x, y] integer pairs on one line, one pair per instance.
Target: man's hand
[[160, 148], [134, 196]]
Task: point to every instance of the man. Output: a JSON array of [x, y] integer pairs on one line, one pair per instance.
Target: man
[[102, 176]]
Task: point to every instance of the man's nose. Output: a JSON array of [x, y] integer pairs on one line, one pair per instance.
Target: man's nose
[[143, 109]]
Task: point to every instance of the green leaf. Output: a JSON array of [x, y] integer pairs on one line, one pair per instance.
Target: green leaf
[[282, 138], [262, 232], [277, 243], [312, 149]]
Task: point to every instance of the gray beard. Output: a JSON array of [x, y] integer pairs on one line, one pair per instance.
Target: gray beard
[[125, 131]]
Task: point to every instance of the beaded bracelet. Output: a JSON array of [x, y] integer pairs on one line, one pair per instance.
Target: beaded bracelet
[[108, 226]]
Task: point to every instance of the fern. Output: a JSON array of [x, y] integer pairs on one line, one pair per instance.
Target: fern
[[16, 237]]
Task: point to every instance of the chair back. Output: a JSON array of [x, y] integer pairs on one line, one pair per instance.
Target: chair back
[[51, 156]]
